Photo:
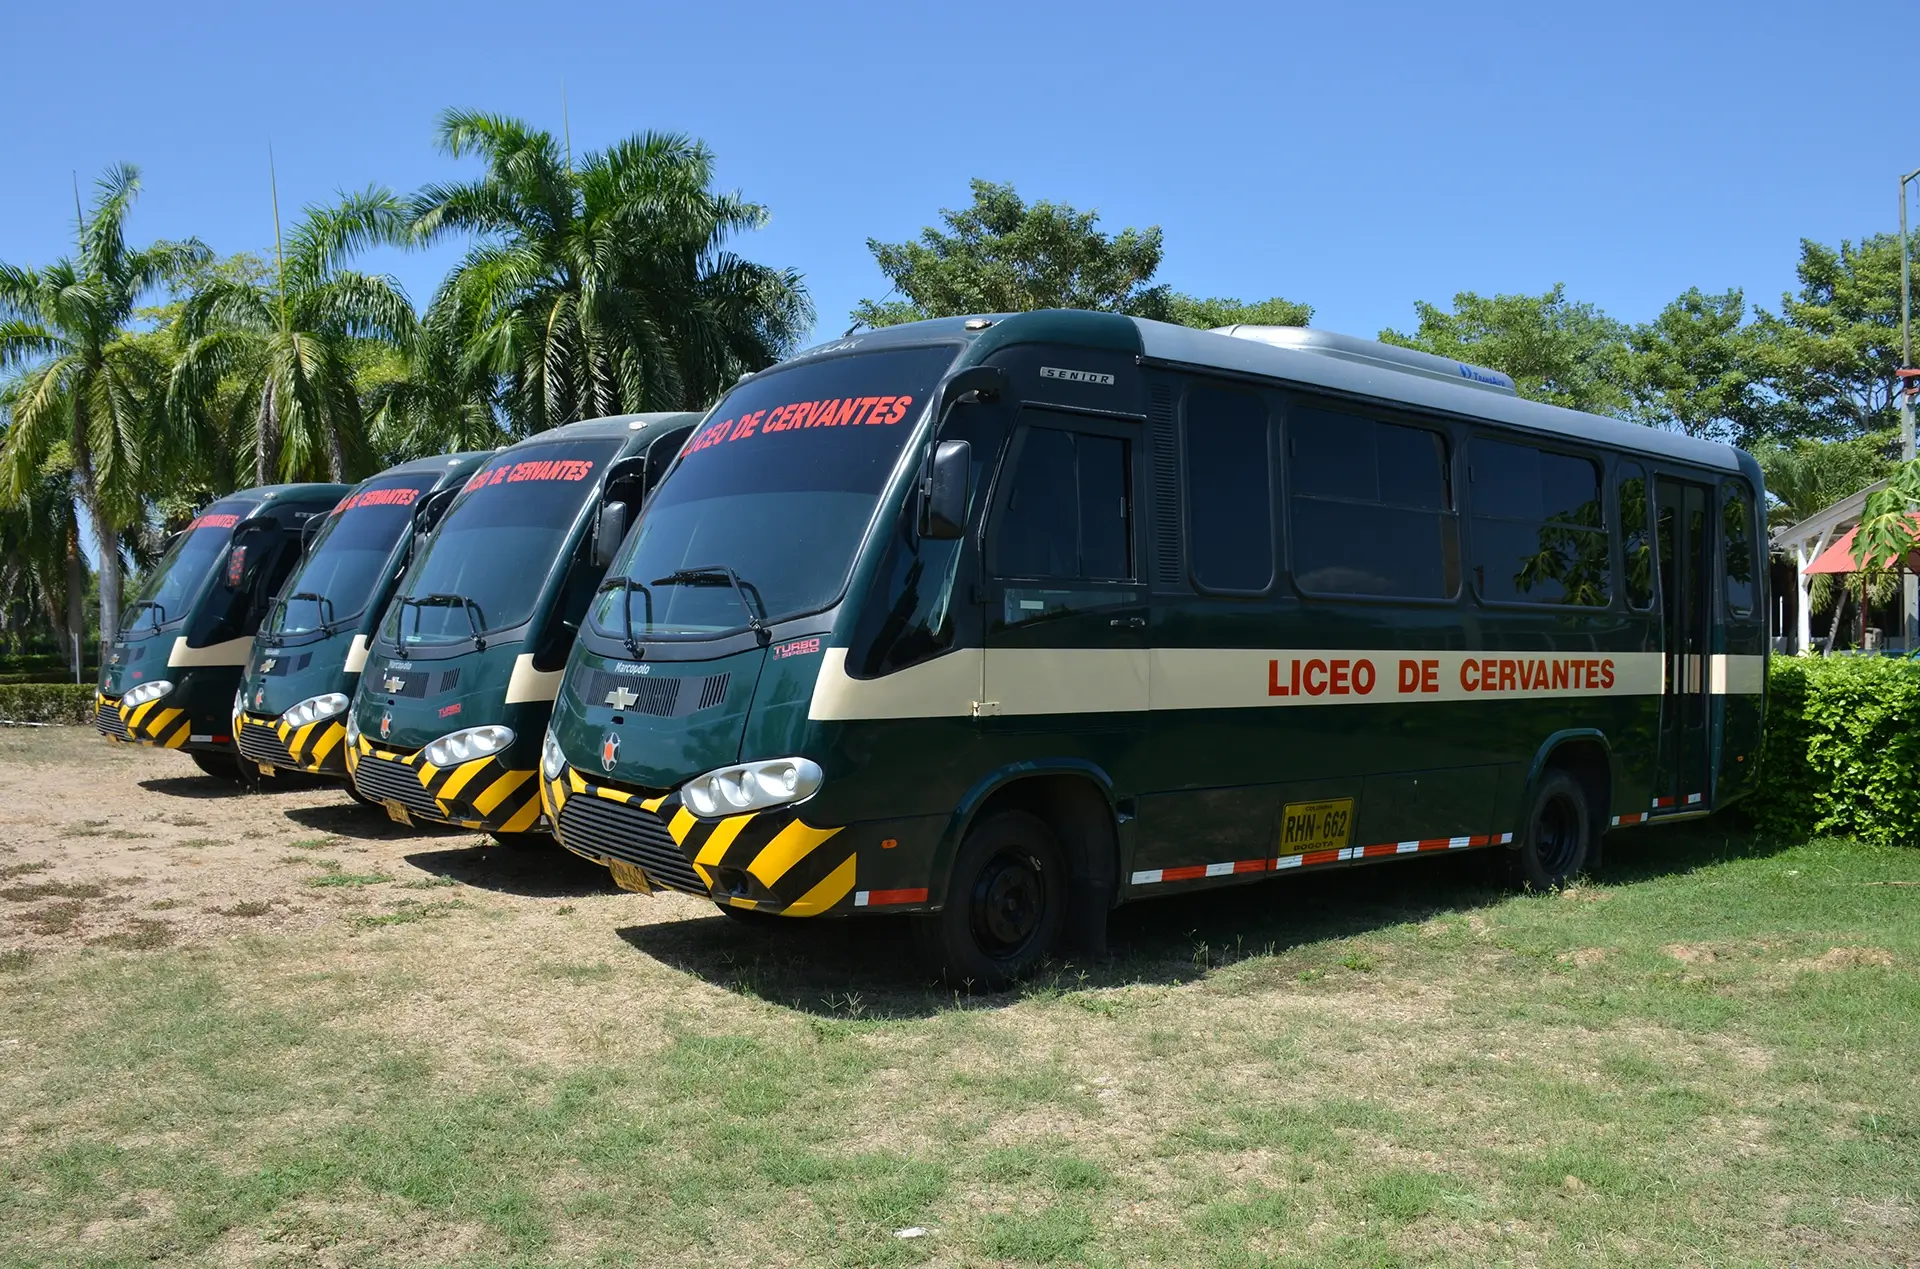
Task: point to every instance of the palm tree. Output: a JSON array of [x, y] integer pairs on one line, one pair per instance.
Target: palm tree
[[291, 340], [603, 287], [84, 381], [427, 399]]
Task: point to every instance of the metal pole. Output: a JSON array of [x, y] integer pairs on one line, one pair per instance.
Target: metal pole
[[1909, 585]]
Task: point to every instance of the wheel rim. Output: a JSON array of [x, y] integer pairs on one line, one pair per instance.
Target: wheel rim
[[1556, 836], [1009, 896]]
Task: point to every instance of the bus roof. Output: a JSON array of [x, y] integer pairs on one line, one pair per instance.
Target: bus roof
[[614, 425], [1337, 363], [436, 463]]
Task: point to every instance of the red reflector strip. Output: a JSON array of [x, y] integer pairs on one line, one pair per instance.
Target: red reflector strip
[[887, 898], [1308, 859], [1662, 803], [1635, 818]]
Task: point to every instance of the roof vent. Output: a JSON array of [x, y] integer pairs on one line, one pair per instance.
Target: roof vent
[[1370, 352]]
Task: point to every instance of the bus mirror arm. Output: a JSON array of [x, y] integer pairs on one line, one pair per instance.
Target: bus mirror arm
[[943, 492]]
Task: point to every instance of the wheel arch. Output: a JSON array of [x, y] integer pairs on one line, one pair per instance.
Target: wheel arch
[[1586, 754], [1077, 801]]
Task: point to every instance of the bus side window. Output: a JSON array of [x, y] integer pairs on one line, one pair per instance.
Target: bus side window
[[1069, 508], [1538, 533], [1371, 507], [1737, 539], [1229, 491], [1636, 537]]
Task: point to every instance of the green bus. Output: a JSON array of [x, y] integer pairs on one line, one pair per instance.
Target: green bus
[[290, 712], [1004, 621], [447, 721], [169, 676]]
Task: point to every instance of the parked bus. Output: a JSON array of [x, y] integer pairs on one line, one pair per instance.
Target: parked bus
[[447, 722], [1004, 621], [290, 712], [171, 673]]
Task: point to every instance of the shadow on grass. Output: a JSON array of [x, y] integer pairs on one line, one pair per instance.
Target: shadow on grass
[[347, 818], [867, 967], [531, 871]]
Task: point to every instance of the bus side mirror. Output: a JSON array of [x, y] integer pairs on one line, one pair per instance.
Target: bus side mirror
[[608, 531], [943, 493]]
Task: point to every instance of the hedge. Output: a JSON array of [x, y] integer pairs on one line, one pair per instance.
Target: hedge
[[1842, 749], [46, 702]]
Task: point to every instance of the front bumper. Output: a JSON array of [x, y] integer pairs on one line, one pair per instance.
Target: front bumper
[[155, 723], [770, 860], [485, 794], [319, 748]]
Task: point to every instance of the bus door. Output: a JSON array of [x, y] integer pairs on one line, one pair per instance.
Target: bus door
[[1685, 554], [1066, 604]]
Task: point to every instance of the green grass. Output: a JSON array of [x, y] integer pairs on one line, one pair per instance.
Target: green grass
[[1706, 1059]]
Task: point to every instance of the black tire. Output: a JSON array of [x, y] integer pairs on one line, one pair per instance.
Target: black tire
[[525, 841], [1552, 847], [1005, 905], [221, 766]]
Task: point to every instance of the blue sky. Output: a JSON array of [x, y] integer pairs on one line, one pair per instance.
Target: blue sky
[[1356, 157]]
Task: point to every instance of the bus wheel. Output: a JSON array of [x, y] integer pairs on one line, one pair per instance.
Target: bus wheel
[[1005, 904], [1553, 848], [221, 766]]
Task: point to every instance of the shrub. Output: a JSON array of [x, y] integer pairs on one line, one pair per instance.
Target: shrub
[[46, 702], [1842, 748]]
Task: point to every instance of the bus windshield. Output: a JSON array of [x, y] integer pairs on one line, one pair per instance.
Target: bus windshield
[[170, 588], [485, 565], [759, 518], [344, 566]]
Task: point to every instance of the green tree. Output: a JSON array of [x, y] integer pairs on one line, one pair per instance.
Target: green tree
[[283, 348], [1004, 255], [83, 383], [1691, 369], [1805, 475], [1828, 357], [604, 286], [426, 399], [1557, 351], [1190, 310]]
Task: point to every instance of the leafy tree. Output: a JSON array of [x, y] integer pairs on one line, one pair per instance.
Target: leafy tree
[[1557, 351], [1805, 475], [601, 287], [84, 384], [1190, 310], [1691, 369], [1005, 255], [41, 565], [1828, 357], [426, 399], [282, 348]]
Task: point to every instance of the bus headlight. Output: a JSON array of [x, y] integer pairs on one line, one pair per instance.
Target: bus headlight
[[353, 730], [313, 709], [752, 786], [464, 746], [552, 761], [146, 692]]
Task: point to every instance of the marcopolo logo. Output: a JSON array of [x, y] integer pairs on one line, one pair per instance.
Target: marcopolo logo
[[1077, 376]]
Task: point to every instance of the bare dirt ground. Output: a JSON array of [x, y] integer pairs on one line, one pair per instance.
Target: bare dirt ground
[[117, 846]]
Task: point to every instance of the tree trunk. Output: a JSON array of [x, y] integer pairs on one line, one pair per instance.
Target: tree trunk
[[1839, 615], [106, 534], [267, 444], [76, 596], [336, 456]]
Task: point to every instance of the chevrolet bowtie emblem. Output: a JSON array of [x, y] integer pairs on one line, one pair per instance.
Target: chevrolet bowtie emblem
[[392, 683], [620, 697], [266, 666]]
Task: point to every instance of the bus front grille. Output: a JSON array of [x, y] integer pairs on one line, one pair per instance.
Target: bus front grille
[[106, 716], [619, 830], [260, 742], [385, 780]]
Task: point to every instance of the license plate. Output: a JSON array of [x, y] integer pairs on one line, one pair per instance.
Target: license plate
[[397, 813], [1316, 825], [266, 768], [630, 877]]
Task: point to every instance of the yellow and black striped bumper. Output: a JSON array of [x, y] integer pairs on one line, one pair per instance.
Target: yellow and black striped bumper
[[318, 747], [485, 794], [770, 860], [150, 724]]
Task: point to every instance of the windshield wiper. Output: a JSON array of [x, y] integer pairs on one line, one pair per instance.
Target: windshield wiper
[[721, 575], [627, 586], [326, 621], [440, 600]]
